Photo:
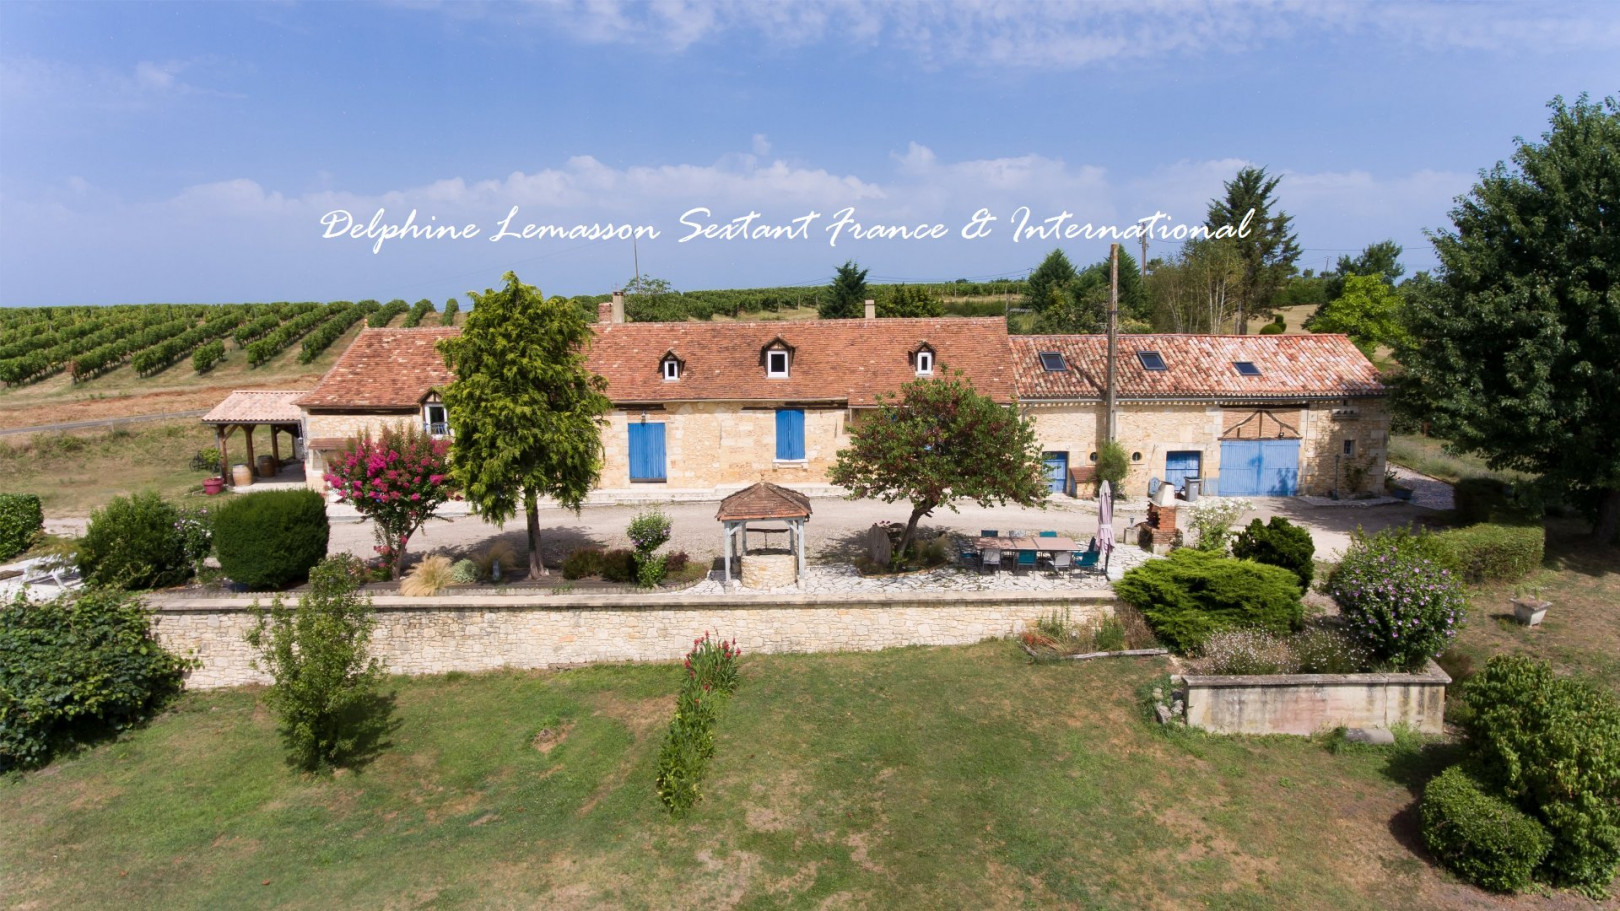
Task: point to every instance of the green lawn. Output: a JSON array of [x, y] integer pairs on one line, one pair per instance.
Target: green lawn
[[946, 777], [1428, 455]]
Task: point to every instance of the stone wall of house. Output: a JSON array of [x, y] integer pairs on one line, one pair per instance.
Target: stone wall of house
[[1152, 431], [472, 634], [317, 426], [710, 445]]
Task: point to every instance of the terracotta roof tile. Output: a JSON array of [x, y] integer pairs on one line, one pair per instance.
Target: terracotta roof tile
[[833, 360], [764, 501], [1197, 366], [257, 406], [384, 368]]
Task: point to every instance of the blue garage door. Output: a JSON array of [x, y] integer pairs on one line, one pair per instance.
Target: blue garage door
[[1057, 470], [1179, 466], [646, 452], [1259, 468]]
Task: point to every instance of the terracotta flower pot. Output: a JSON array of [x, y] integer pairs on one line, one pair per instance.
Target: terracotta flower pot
[[212, 486]]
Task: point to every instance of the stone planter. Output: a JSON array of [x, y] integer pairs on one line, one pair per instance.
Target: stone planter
[[1307, 703], [1530, 611]]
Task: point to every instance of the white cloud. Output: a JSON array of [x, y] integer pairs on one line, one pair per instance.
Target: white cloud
[[761, 145], [56, 84]]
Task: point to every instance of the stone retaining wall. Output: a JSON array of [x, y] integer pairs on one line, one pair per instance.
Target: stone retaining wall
[[476, 633], [1307, 703]]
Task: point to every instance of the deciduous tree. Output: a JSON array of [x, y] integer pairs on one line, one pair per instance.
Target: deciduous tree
[[939, 442], [1369, 311], [527, 414], [397, 481], [1516, 349]]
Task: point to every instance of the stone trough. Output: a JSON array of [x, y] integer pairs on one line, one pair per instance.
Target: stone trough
[[1307, 703]]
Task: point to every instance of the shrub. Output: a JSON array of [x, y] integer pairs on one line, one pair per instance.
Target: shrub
[[1553, 744], [676, 561], [1478, 499], [711, 675], [75, 669], [196, 528], [21, 520], [1113, 464], [1273, 329], [649, 530], [318, 655], [1493, 553], [397, 481], [650, 570], [1479, 836], [584, 562], [1325, 650], [1279, 543], [1403, 605], [205, 459], [134, 543], [1247, 651], [271, 539], [464, 572], [426, 578], [1109, 635], [498, 553], [1213, 519], [1192, 594], [619, 565]]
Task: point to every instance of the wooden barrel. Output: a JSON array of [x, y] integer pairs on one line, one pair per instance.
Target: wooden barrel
[[242, 475], [267, 466]]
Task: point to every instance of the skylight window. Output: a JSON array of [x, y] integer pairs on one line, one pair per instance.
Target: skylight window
[[1151, 360], [1246, 368], [1052, 361]]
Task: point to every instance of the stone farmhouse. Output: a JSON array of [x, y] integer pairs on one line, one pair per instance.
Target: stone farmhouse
[[704, 409]]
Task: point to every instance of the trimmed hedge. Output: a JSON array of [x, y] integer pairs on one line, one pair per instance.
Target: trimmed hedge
[[1493, 553], [21, 519], [1192, 594], [271, 539], [75, 669], [1279, 543], [135, 542], [1478, 835], [1553, 744]]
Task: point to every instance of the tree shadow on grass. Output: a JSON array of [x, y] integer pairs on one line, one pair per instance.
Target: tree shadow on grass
[[369, 725]]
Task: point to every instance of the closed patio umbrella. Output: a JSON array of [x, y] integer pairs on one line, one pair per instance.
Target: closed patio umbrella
[[1105, 522]]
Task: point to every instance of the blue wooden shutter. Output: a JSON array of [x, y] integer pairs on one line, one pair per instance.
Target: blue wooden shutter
[[647, 452], [789, 434]]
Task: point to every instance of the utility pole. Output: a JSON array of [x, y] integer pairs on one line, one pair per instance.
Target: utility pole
[[1113, 339], [1144, 256]]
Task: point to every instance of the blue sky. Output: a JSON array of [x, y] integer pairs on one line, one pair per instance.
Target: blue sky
[[180, 152]]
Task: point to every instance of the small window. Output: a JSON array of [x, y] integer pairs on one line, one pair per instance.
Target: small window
[[776, 363], [925, 363], [1052, 361], [434, 421], [672, 369], [1349, 447], [1247, 368], [1151, 360]]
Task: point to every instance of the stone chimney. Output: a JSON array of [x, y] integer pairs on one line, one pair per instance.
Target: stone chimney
[[604, 312], [871, 309], [618, 307]]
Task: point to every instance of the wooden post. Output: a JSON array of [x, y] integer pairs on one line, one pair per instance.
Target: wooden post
[[247, 431], [224, 459], [275, 447], [1110, 425]]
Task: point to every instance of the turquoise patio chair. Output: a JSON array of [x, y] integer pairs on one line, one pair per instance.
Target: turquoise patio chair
[[1026, 561], [1048, 534]]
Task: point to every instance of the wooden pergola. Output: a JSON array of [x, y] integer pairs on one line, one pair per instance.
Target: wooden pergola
[[246, 409], [763, 502]]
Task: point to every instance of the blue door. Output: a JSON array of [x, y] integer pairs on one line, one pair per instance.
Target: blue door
[[1179, 466], [789, 435], [646, 452], [1057, 471], [1259, 468]]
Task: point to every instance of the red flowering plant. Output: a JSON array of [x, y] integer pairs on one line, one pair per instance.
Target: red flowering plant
[[397, 481], [713, 663]]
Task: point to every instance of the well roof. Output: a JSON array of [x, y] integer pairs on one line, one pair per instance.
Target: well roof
[[763, 501]]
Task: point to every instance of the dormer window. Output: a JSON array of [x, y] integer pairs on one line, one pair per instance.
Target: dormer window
[[776, 363], [435, 420], [670, 367], [925, 363]]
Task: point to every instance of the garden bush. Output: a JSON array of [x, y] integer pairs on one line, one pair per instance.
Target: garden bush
[[1329, 650], [1552, 744], [271, 539], [21, 520], [464, 572], [1113, 464], [1212, 520], [427, 578], [711, 676], [1401, 603], [650, 570], [677, 561], [75, 669], [318, 655], [649, 530], [1192, 593], [1279, 543], [1247, 651], [1493, 553], [1478, 835], [584, 562], [134, 542], [619, 565]]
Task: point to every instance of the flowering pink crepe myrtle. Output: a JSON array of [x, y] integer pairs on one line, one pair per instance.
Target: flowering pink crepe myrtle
[[397, 481]]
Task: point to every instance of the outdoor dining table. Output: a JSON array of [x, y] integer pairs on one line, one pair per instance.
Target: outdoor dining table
[[1027, 542]]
